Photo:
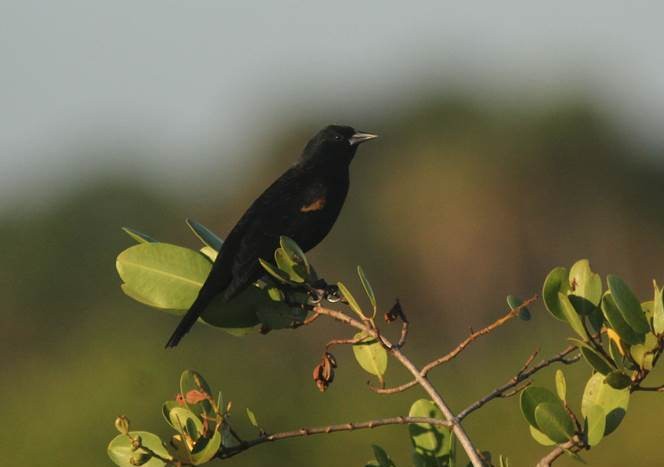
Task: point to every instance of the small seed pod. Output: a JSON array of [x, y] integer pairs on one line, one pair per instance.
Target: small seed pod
[[122, 424]]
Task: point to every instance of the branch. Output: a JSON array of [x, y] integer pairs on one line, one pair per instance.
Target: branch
[[459, 348], [521, 375], [649, 389], [420, 379], [244, 445], [555, 453]]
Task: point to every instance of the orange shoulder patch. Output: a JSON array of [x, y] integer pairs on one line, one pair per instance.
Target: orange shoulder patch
[[316, 205]]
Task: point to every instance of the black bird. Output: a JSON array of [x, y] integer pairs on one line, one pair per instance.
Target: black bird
[[302, 204]]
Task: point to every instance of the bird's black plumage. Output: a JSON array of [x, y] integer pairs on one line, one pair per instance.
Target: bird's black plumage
[[302, 204]]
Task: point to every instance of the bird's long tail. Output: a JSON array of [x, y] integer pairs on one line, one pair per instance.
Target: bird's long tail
[[205, 296]]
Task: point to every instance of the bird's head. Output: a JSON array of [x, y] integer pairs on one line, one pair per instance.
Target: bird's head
[[335, 144]]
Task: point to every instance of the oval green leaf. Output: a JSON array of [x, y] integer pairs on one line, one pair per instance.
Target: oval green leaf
[[613, 402], [531, 397], [594, 424], [165, 275], [617, 322], [561, 384], [556, 282], [351, 300], [514, 303], [287, 265], [210, 253], [628, 305], [205, 235], [554, 421], [279, 275], [381, 456], [658, 312], [368, 289], [252, 417], [293, 250], [595, 359], [120, 450], [644, 354], [571, 316], [618, 380], [584, 282], [370, 354], [206, 448], [191, 380], [540, 437], [429, 440], [140, 237]]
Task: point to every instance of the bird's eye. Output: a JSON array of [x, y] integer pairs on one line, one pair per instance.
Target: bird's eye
[[337, 137]]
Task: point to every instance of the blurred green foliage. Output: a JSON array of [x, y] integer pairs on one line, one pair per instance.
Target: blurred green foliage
[[460, 205]]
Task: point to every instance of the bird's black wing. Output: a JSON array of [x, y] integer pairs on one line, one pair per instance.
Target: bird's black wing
[[273, 214]]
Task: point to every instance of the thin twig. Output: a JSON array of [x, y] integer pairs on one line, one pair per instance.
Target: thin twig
[[555, 453], [334, 342], [522, 375], [512, 313], [421, 379], [649, 389], [244, 445]]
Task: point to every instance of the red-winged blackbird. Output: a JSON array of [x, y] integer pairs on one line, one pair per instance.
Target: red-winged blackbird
[[302, 204]]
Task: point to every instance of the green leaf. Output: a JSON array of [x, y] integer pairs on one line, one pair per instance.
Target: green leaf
[[514, 303], [584, 282], [571, 316], [531, 397], [139, 298], [121, 452], [184, 420], [281, 316], [238, 316], [556, 282], [561, 384], [618, 380], [140, 237], [252, 417], [295, 253], [287, 265], [596, 319], [206, 448], [368, 289], [554, 421], [627, 304], [351, 300], [540, 437], [614, 402], [594, 424], [595, 359], [381, 456], [643, 354], [615, 354], [370, 354], [432, 443], [205, 235], [658, 312], [165, 275], [210, 252], [191, 380], [581, 305], [275, 272], [617, 322]]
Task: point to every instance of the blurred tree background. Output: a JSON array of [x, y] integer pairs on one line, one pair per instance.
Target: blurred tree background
[[458, 205]]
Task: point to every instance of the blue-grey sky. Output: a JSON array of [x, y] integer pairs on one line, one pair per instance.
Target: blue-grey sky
[[181, 77]]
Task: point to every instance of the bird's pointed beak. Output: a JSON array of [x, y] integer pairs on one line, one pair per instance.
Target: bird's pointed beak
[[361, 137]]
